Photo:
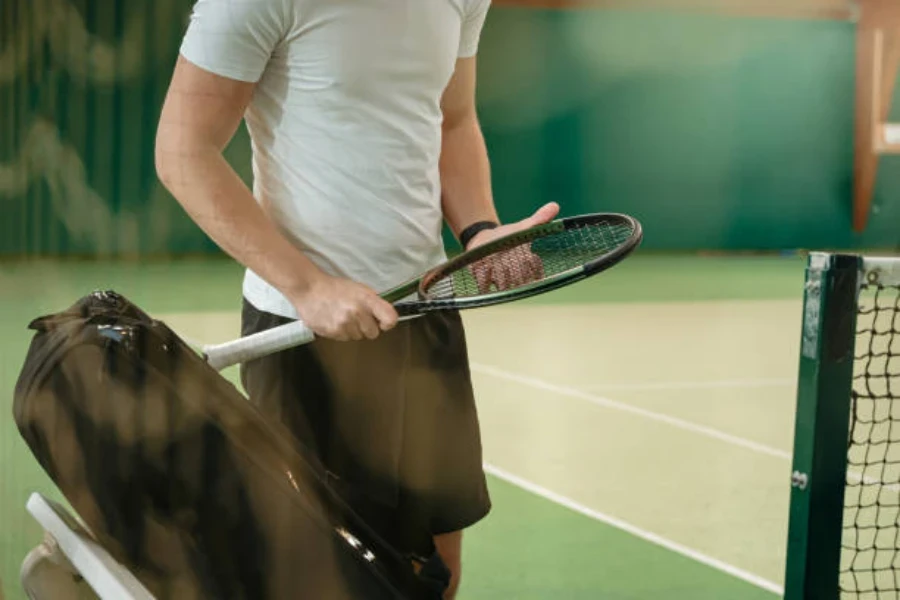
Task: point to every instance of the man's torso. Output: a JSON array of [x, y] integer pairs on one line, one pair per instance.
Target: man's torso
[[346, 129]]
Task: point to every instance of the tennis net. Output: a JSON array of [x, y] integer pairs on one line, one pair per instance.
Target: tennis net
[[870, 558], [844, 534]]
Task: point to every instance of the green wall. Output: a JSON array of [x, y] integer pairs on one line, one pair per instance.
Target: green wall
[[717, 133]]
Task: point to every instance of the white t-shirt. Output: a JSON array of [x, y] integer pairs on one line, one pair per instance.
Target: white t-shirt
[[345, 123]]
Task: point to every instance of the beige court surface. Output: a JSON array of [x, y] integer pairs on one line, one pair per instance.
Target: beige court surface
[[672, 420], [637, 428]]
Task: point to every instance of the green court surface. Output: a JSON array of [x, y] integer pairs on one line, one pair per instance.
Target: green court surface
[[637, 427]]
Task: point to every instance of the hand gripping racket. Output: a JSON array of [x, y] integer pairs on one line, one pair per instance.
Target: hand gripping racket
[[517, 266]]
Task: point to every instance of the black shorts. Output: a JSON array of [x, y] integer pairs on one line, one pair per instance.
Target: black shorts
[[393, 420]]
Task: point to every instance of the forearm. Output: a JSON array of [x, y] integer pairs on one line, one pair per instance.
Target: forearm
[[465, 176], [220, 203]]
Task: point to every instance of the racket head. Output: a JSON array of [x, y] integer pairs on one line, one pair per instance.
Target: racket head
[[530, 262]]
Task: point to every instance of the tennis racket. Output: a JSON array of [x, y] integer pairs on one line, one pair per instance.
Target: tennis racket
[[517, 266]]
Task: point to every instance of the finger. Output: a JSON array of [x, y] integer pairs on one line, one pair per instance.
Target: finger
[[350, 329], [482, 272], [514, 274], [537, 266], [384, 313], [353, 332], [368, 325], [534, 266], [518, 268], [519, 276], [338, 334], [544, 214], [502, 277]]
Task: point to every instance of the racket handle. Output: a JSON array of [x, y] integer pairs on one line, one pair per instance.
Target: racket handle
[[258, 345]]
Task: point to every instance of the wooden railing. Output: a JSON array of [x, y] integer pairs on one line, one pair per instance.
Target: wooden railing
[[877, 63], [797, 9]]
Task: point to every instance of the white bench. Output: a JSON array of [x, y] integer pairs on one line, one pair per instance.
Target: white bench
[[42, 572]]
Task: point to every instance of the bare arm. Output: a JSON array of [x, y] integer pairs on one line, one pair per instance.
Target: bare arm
[[465, 168], [201, 114]]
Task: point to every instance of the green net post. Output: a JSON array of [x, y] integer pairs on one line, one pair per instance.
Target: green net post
[[822, 421]]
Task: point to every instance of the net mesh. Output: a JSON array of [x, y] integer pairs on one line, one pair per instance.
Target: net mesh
[[870, 557], [531, 259]]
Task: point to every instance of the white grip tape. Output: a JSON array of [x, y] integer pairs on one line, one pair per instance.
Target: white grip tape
[[258, 345]]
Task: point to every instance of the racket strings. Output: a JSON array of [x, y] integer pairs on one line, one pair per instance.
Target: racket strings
[[531, 261], [589, 241]]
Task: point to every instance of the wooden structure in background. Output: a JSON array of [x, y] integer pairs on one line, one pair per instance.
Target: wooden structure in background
[[840, 10], [877, 63]]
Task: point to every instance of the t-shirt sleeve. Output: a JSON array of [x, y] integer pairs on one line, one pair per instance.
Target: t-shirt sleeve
[[234, 38], [473, 23]]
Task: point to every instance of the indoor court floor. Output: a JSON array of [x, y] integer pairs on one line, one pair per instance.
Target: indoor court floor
[[637, 427]]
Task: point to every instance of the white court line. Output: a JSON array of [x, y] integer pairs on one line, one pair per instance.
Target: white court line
[[690, 426], [673, 421], [693, 385], [857, 479], [607, 519], [635, 531], [641, 412]]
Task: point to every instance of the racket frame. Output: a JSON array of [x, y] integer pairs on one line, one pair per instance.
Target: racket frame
[[296, 333], [546, 284]]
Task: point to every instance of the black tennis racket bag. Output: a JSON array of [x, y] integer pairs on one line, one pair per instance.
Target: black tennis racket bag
[[184, 481]]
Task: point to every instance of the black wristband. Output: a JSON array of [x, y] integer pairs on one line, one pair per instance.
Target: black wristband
[[474, 229]]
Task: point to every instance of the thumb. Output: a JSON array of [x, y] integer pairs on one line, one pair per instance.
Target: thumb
[[544, 214]]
